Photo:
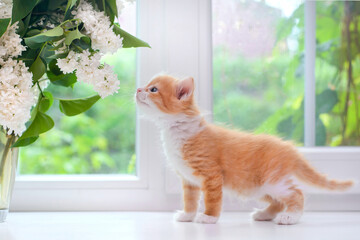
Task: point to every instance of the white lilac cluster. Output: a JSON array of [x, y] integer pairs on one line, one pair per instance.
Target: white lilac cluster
[[87, 65], [10, 44], [5, 8], [98, 28], [89, 70], [16, 96], [16, 93]]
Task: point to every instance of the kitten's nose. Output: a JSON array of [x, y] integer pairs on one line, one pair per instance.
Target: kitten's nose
[[139, 90]]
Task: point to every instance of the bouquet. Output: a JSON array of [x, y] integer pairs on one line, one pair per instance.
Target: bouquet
[[58, 42]]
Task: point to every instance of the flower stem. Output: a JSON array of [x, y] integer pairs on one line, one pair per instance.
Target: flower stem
[[42, 94], [10, 140]]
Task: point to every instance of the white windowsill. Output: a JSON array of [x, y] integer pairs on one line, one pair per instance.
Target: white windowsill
[[160, 225], [86, 181], [328, 153]]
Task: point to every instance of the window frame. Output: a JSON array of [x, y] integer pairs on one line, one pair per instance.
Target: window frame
[[309, 65], [162, 23]]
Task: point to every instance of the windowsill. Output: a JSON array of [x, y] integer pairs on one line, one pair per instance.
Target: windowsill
[[160, 225], [79, 177], [83, 181], [329, 153]]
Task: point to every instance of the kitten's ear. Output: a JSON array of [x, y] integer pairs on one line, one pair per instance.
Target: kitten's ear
[[185, 88]]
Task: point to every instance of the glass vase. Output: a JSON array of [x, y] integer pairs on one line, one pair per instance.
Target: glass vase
[[8, 162]]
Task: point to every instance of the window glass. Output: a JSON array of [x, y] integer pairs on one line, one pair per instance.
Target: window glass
[[99, 141], [258, 66], [337, 73]]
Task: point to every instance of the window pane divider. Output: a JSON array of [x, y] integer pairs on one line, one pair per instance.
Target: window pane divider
[[310, 94]]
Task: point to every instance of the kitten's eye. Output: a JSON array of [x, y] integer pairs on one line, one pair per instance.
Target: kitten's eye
[[153, 89]]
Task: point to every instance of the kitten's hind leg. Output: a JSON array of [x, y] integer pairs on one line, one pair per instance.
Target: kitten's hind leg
[[270, 212], [294, 203]]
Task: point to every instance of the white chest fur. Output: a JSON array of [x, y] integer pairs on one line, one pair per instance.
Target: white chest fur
[[174, 135]]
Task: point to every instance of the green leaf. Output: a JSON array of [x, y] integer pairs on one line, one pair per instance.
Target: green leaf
[[83, 43], [100, 4], [128, 39], [74, 107], [32, 114], [37, 40], [54, 5], [23, 25], [326, 101], [4, 23], [25, 142], [38, 69], [57, 47], [69, 5], [71, 36], [46, 102], [111, 9], [29, 56], [57, 77], [42, 123], [47, 54], [65, 80], [22, 8], [33, 32], [54, 67]]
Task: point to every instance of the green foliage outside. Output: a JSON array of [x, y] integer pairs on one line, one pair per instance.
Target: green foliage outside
[[101, 140], [266, 94]]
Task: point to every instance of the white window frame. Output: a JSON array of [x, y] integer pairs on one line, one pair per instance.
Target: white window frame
[[179, 33]]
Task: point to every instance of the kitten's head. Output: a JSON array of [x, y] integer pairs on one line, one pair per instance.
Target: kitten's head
[[166, 96]]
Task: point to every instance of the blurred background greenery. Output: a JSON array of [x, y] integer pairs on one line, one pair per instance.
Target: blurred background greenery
[[101, 140], [258, 68]]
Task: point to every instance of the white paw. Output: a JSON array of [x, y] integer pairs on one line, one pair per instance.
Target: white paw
[[182, 216], [262, 215], [203, 218], [287, 218]]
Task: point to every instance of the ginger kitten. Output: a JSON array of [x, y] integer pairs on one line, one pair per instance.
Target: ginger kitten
[[210, 158]]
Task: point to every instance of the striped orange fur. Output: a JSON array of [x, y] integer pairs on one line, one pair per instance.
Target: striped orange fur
[[210, 158]]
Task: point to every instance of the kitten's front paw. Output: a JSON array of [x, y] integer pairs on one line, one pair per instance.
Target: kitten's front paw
[[182, 216], [203, 218], [262, 215], [287, 218]]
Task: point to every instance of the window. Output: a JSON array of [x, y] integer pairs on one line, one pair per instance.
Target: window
[[259, 70], [100, 141], [180, 35]]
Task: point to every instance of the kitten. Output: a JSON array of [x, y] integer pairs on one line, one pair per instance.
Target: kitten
[[210, 158]]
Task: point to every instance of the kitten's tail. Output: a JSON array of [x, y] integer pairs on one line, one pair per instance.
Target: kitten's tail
[[308, 174]]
